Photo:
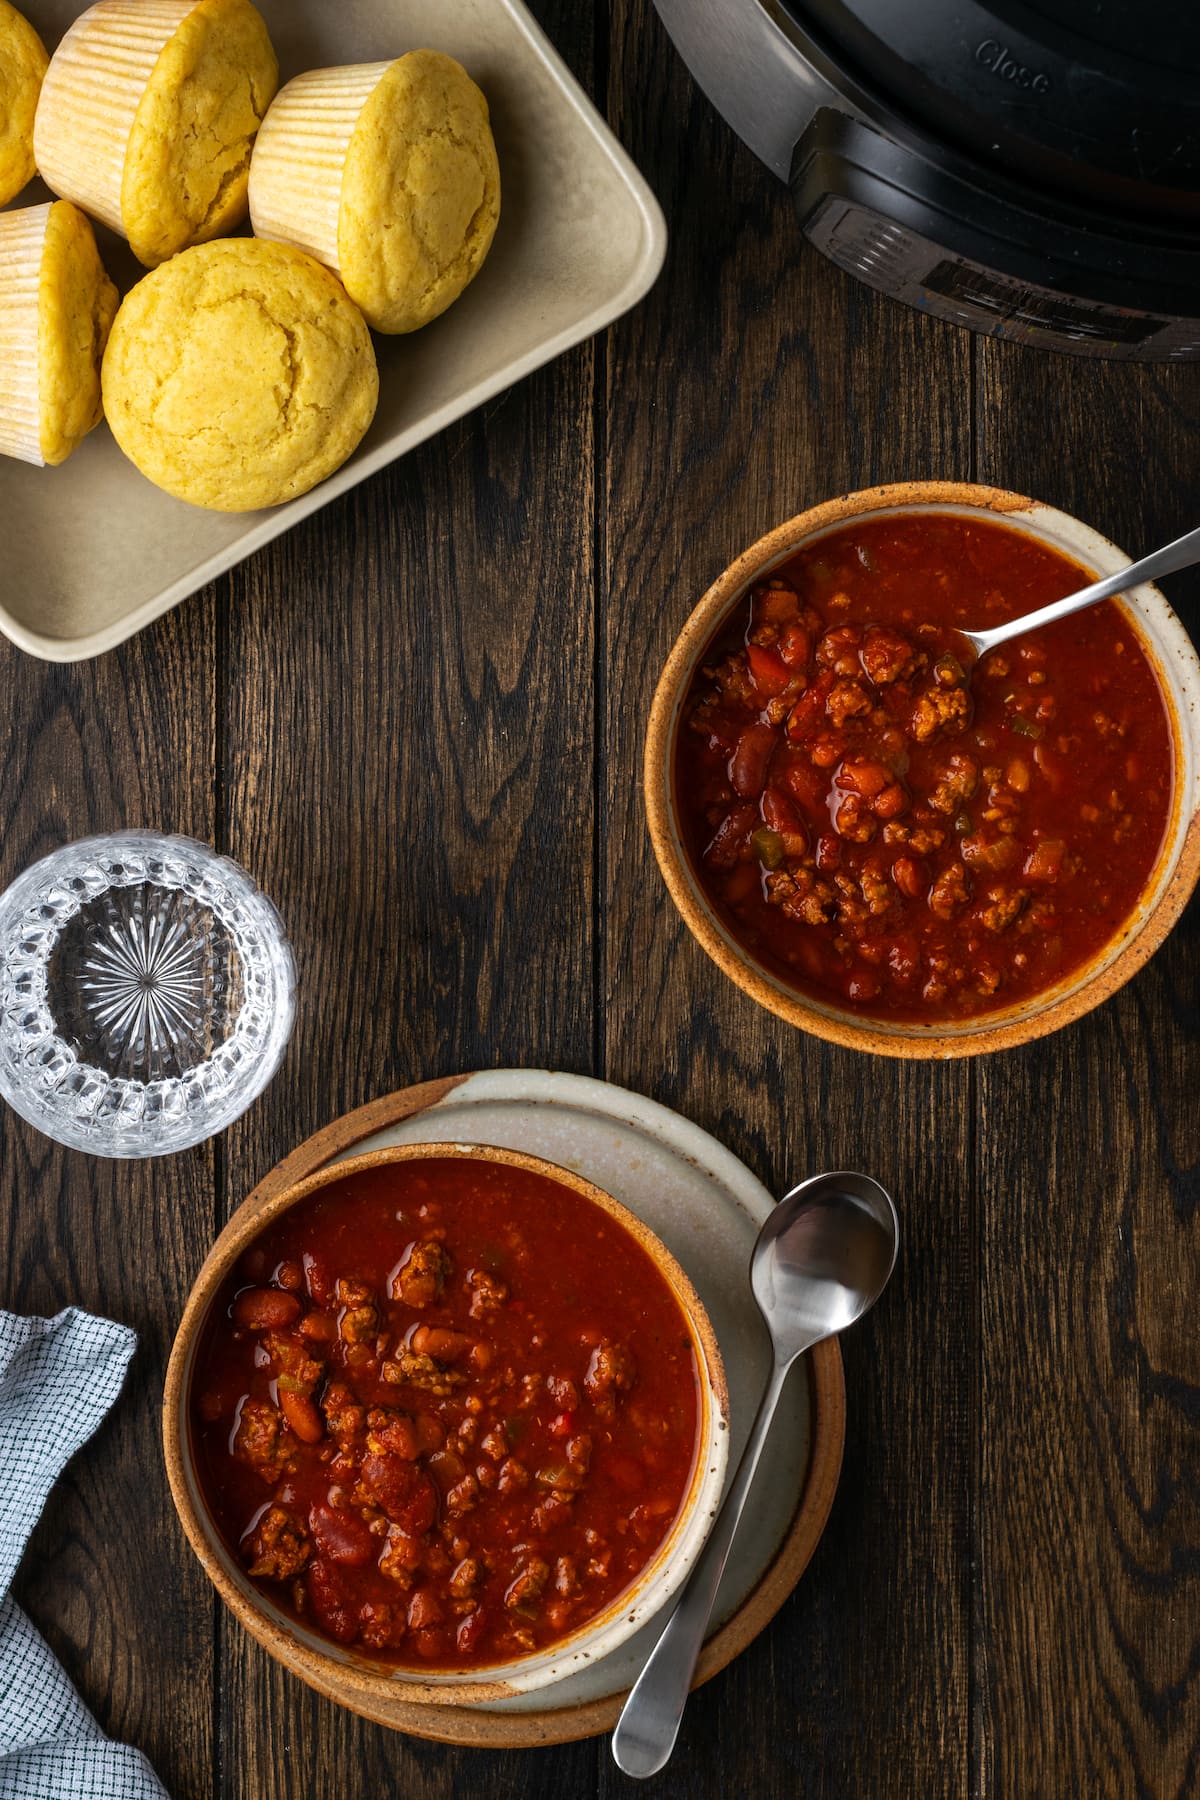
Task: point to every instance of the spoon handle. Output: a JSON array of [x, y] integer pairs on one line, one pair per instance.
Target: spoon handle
[[649, 1723], [1179, 555]]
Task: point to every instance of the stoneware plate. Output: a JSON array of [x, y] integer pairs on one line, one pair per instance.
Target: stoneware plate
[[101, 552], [707, 1208]]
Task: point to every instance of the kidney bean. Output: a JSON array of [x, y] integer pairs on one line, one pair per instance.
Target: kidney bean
[[769, 671], [265, 1309], [749, 762], [424, 1609], [443, 1346], [302, 1416], [911, 876], [333, 1607], [341, 1536]]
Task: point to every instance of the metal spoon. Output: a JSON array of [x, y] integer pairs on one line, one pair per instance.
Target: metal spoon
[[821, 1261], [1180, 555]]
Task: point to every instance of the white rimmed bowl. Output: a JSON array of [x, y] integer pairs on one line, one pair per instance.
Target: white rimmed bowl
[[1171, 882], [356, 1679]]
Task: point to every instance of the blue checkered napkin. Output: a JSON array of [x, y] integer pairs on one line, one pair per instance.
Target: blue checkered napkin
[[58, 1378]]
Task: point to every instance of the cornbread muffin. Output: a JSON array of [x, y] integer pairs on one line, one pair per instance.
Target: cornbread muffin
[[23, 62], [147, 115], [387, 173], [56, 307], [239, 375]]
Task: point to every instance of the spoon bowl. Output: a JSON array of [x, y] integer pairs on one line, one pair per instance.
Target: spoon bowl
[[823, 1258]]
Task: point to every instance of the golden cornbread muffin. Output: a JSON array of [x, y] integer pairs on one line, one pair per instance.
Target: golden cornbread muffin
[[23, 62], [147, 115], [239, 375], [387, 173], [56, 307]]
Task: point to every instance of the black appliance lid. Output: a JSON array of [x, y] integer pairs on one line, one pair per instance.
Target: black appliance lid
[[1096, 100]]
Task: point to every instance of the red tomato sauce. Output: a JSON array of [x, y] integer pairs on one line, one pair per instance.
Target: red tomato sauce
[[884, 831], [445, 1411]]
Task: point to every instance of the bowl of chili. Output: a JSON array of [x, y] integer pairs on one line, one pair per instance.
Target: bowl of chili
[[443, 1422], [896, 851]]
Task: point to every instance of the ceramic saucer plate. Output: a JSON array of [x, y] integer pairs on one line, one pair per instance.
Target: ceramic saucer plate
[[707, 1207]]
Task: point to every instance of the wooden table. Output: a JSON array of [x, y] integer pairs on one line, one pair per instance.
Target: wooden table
[[417, 719]]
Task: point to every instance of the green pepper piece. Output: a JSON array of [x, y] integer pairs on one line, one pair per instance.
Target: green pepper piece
[[767, 845]]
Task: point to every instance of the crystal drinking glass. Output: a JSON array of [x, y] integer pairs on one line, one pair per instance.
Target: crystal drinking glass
[[147, 993]]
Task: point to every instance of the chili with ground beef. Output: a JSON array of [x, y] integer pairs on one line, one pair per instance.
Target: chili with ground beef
[[886, 829], [445, 1410]]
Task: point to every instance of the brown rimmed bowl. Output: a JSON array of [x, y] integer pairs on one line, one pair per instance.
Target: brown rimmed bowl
[[1174, 877], [356, 1679]]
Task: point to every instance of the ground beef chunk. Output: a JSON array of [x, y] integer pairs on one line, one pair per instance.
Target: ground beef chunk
[[422, 1372], [1003, 905], [940, 711], [262, 1440], [888, 657], [488, 1293], [957, 783], [611, 1366], [949, 892], [422, 1276], [279, 1546]]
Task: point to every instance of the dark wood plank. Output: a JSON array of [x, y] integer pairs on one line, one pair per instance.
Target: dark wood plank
[[754, 382], [108, 1578], [1088, 1594], [408, 769]]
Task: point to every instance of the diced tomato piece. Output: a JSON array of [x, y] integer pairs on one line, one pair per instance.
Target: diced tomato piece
[[1045, 860], [806, 785], [562, 1426], [771, 674], [341, 1536], [750, 761]]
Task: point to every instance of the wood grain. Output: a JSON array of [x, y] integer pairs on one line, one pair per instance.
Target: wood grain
[[1088, 1590], [417, 719], [788, 385], [428, 647], [125, 740]]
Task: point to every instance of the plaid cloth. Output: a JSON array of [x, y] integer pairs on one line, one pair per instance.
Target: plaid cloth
[[50, 1745]]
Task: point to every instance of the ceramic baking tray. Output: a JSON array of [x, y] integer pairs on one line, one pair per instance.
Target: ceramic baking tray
[[92, 552]]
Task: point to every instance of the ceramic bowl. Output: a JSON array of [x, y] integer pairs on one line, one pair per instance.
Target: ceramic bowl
[[1171, 883], [357, 1679]]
